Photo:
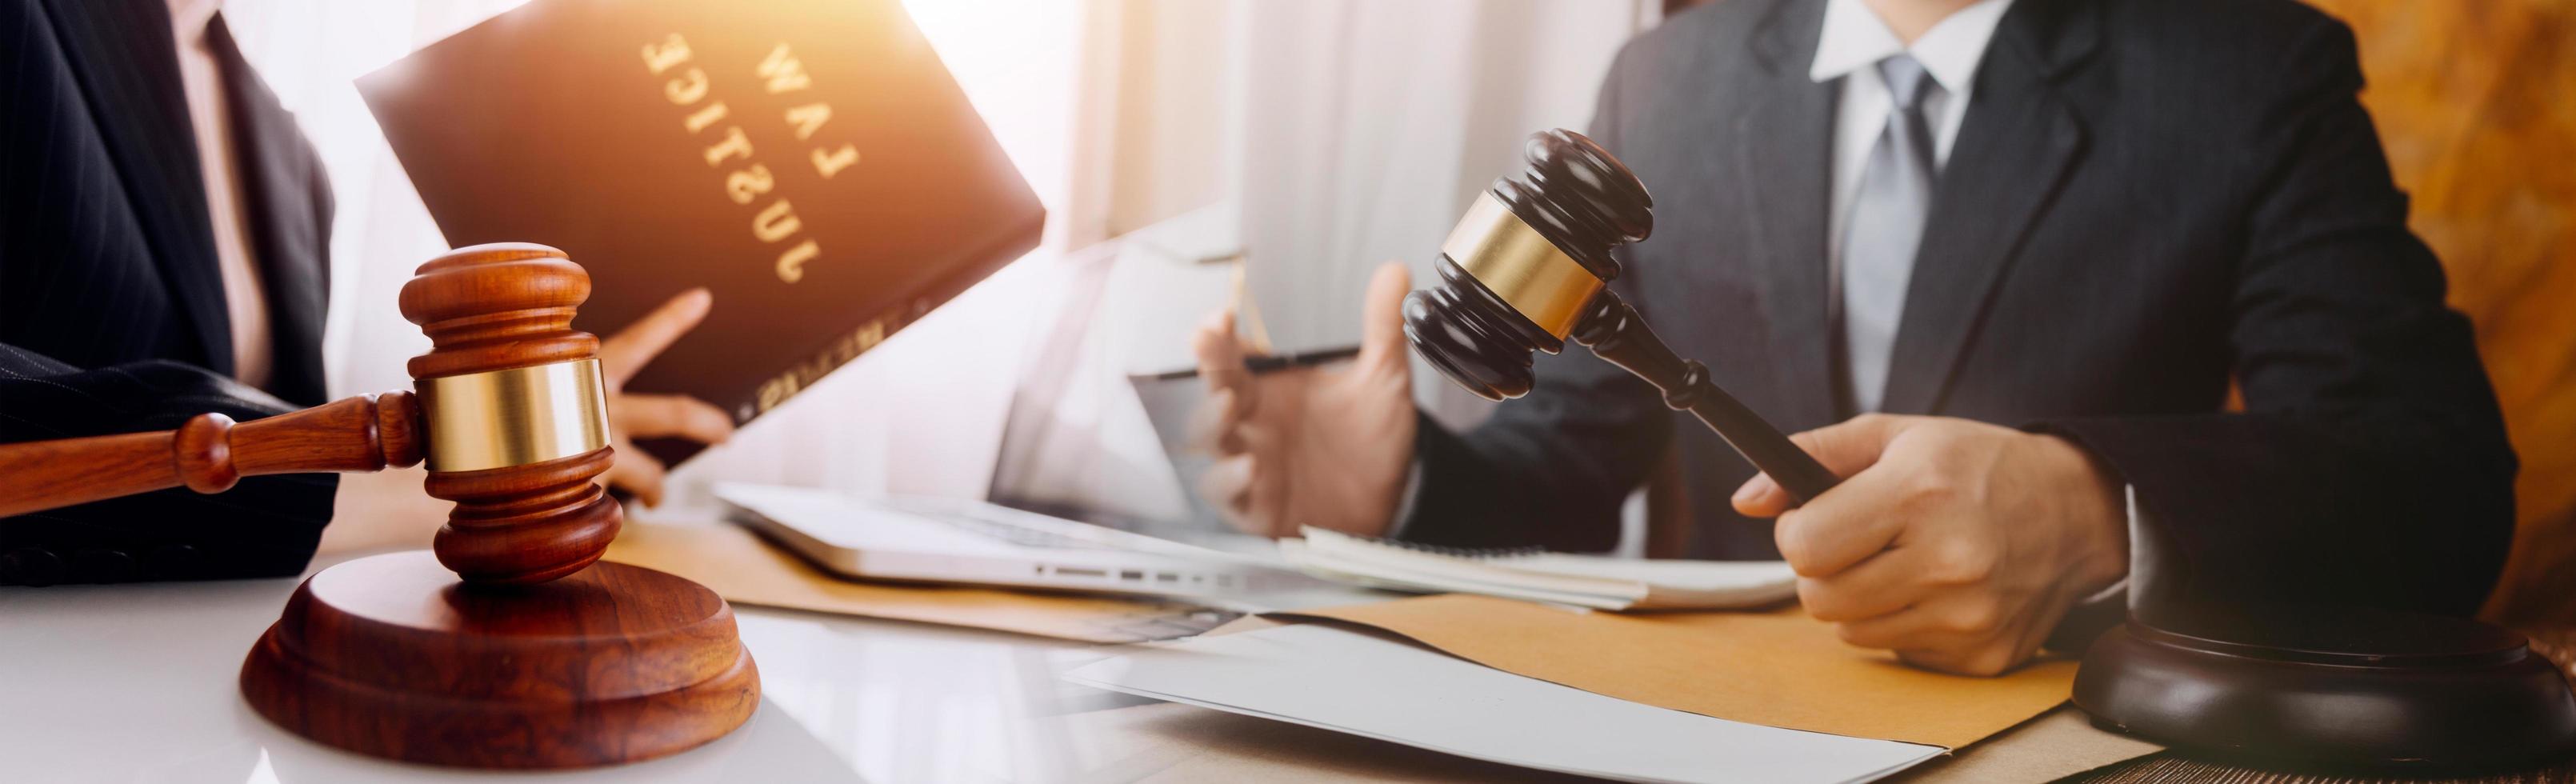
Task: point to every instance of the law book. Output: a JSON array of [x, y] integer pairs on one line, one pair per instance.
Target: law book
[[811, 163], [1531, 574]]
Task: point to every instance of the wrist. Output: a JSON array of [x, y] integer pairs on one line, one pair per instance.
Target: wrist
[[2094, 503]]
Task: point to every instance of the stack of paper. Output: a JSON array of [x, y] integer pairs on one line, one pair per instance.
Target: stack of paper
[[1581, 580], [1366, 684]]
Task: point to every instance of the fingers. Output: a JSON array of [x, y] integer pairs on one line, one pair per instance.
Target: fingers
[[1219, 421], [1931, 645], [1839, 529], [1983, 660], [1885, 583], [1846, 449], [1220, 357], [1382, 316], [637, 473], [1933, 627], [671, 416], [1853, 445], [1217, 424], [1965, 633], [1760, 497], [628, 351], [1227, 485], [658, 416]]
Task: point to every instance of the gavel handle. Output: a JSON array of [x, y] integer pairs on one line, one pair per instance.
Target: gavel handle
[[1614, 332], [209, 453]]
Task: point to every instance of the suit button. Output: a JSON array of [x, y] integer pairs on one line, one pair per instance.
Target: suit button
[[32, 566], [172, 562], [102, 566]]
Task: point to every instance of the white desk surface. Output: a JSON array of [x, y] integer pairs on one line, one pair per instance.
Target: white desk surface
[[136, 683]]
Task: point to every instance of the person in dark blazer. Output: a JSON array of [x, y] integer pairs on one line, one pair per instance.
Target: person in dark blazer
[[2003, 261], [164, 252]]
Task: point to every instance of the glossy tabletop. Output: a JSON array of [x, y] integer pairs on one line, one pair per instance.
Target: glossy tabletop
[[137, 683]]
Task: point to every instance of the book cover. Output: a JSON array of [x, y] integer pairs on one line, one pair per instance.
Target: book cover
[[812, 163]]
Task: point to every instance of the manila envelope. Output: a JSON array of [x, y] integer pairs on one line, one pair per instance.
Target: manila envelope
[[2058, 743], [1780, 668]]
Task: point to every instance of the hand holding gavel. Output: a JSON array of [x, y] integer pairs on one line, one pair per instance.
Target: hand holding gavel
[[1530, 266], [1525, 270], [1957, 544], [511, 416], [1967, 582]]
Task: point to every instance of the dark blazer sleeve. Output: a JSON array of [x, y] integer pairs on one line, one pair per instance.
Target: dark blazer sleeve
[[2370, 462], [1552, 468], [263, 527]]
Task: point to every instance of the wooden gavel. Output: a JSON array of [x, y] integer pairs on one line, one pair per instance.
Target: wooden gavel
[[511, 414], [1529, 266]]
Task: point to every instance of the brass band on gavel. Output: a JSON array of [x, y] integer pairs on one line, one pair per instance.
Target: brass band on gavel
[[1522, 267], [515, 416]]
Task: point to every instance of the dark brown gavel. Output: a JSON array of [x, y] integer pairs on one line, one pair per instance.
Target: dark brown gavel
[[1530, 266], [511, 415]]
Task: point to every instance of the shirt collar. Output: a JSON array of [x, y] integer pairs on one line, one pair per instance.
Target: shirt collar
[[1854, 38], [188, 18]]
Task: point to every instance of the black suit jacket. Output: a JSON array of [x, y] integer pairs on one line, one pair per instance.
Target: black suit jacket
[[112, 314], [2147, 200]]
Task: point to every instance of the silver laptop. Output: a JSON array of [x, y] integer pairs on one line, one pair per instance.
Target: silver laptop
[[943, 540], [1024, 541]]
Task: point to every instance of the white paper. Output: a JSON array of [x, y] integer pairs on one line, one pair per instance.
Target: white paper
[[1562, 578], [1349, 681]]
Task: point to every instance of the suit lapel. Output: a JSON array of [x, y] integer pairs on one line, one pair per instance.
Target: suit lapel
[[1784, 160], [128, 67], [2014, 150]]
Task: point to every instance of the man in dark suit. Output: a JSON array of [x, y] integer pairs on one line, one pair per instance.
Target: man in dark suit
[[164, 252], [2002, 260]]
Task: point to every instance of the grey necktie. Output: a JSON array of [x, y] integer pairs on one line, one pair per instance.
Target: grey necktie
[[1886, 223]]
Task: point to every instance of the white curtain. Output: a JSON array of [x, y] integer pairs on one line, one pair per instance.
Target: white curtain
[[1369, 126]]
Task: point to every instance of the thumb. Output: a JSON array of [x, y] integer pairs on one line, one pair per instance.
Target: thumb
[[1220, 356], [1382, 316], [1846, 448]]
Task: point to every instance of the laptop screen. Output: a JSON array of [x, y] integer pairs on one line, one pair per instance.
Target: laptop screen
[[1079, 441]]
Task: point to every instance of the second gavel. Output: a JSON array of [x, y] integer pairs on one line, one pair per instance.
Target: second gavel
[[511, 415], [516, 647], [1530, 265]]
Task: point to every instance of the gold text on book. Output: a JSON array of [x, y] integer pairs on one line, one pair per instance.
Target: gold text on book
[[835, 354], [774, 223]]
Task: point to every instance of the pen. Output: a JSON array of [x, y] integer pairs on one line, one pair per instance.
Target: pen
[[1265, 363], [1238, 298]]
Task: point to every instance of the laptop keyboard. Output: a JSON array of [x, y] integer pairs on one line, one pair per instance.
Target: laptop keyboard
[[1018, 534]]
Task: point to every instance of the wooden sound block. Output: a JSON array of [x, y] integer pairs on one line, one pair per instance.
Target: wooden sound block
[[392, 656], [2343, 689]]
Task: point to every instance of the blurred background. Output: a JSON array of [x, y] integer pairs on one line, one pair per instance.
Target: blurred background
[[1307, 140]]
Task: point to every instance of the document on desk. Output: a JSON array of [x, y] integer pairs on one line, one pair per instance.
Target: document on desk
[[1529, 575], [1364, 683]]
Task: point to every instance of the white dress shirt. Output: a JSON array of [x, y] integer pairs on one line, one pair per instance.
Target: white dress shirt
[[1852, 43], [245, 301]]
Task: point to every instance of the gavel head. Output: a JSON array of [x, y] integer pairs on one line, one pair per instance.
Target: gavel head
[[513, 411], [1522, 268]]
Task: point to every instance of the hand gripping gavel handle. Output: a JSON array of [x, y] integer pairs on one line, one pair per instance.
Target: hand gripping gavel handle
[[1612, 330], [209, 453]]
